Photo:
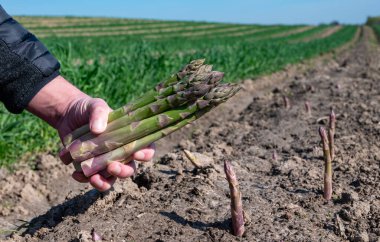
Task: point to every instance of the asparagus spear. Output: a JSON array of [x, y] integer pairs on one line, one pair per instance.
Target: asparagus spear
[[308, 108], [327, 190], [147, 98], [82, 150], [237, 212]]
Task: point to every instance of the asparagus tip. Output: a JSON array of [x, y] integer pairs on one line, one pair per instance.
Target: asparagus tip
[[274, 155], [237, 212], [322, 133], [308, 108], [286, 102], [95, 236]]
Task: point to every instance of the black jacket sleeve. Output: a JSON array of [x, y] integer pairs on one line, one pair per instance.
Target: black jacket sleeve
[[25, 64]]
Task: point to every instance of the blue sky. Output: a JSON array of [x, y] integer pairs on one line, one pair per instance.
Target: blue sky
[[238, 11]]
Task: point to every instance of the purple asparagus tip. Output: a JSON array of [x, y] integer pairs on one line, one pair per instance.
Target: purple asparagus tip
[[95, 236]]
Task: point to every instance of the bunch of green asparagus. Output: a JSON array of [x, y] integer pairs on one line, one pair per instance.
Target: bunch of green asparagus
[[172, 104]]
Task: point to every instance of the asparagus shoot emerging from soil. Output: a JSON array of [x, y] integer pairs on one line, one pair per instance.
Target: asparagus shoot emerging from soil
[[274, 155], [327, 190], [308, 108], [95, 236], [237, 213], [286, 102], [331, 132]]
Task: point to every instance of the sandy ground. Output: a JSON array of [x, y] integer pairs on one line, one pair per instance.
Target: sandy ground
[[170, 200]]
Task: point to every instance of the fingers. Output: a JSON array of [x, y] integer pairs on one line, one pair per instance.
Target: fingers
[[145, 154], [99, 111], [104, 173], [105, 179], [122, 170], [102, 184]]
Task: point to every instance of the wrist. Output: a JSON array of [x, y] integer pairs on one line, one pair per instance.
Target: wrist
[[53, 100]]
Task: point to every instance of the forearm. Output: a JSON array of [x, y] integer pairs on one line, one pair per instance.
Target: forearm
[[53, 100]]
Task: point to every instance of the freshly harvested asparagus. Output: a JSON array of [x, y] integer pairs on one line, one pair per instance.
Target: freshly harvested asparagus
[[98, 163], [237, 213], [162, 89], [82, 150], [327, 190]]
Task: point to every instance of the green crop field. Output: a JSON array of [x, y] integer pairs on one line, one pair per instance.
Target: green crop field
[[118, 59], [376, 28], [374, 23]]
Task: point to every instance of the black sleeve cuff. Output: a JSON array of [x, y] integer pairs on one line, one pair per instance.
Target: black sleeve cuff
[[25, 64]]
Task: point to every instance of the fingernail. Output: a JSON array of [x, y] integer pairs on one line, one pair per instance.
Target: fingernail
[[98, 126], [116, 171], [139, 155]]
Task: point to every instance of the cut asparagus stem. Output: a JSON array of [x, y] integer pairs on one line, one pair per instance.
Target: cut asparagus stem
[[327, 190], [98, 163], [147, 98], [237, 213], [331, 133], [82, 150], [191, 157]]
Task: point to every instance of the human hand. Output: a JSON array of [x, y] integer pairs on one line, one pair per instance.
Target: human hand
[[66, 108]]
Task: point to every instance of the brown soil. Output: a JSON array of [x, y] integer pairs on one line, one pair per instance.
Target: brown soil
[[282, 34], [169, 200], [329, 31], [201, 33]]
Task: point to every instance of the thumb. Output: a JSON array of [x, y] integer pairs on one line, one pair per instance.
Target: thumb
[[99, 111]]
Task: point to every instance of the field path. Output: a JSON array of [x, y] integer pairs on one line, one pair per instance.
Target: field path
[[169, 200]]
